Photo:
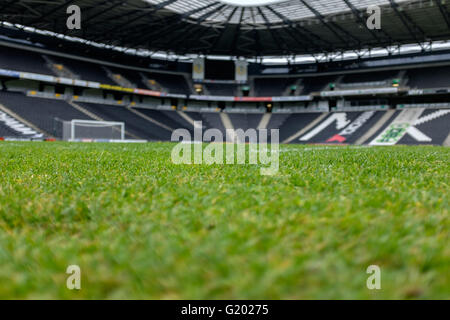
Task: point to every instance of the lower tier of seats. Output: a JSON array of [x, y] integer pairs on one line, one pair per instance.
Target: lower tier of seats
[[25, 116]]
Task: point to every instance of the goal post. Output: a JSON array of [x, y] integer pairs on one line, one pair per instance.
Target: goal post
[[76, 130]]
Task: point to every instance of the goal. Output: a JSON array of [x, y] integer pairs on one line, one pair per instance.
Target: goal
[[77, 130]]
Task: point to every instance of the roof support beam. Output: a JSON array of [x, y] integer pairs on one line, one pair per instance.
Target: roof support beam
[[357, 14], [444, 12], [153, 9], [112, 7], [237, 31], [407, 22], [258, 46], [174, 23], [205, 27], [311, 38], [46, 14], [222, 32], [329, 25], [271, 31], [185, 35], [7, 5]]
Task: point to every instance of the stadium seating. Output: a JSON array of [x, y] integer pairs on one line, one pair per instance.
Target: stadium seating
[[296, 122], [133, 76], [86, 70], [437, 128], [177, 120], [21, 60], [218, 89], [331, 130], [420, 78], [173, 83], [253, 120], [12, 128], [157, 125], [266, 87], [368, 79], [154, 125], [317, 84], [137, 127], [245, 121], [277, 121], [211, 120], [425, 78], [5, 131], [163, 118], [43, 113]]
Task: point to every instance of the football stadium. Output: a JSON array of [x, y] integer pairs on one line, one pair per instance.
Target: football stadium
[[225, 149]]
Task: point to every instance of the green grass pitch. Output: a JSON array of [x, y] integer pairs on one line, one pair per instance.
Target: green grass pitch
[[141, 227]]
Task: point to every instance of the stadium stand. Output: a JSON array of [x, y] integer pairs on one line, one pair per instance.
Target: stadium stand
[[245, 121], [21, 60], [132, 76], [43, 113], [253, 120], [332, 126], [425, 78], [239, 121], [136, 127], [86, 70], [219, 89], [178, 120], [296, 122], [277, 121], [368, 79], [197, 116], [354, 135], [317, 84], [349, 123], [417, 78], [163, 118], [434, 124], [11, 128], [6, 131], [210, 120], [172, 83], [382, 128], [272, 86]]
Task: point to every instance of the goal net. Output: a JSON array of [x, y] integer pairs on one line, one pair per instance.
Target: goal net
[[76, 130]]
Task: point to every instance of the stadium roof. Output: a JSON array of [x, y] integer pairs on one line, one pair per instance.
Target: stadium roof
[[239, 27]]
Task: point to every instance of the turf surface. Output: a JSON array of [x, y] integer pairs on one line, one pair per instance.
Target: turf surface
[[141, 227]]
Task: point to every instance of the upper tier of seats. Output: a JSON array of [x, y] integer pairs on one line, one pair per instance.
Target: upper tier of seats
[[272, 86], [370, 77], [21, 60], [86, 70], [172, 83], [218, 89], [317, 84], [134, 77], [425, 78], [28, 61]]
